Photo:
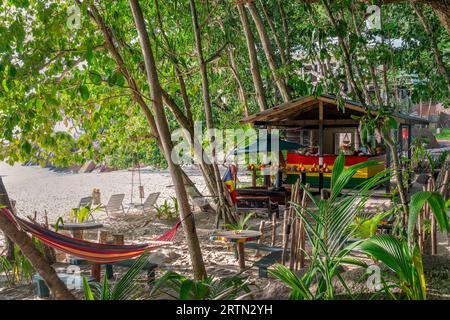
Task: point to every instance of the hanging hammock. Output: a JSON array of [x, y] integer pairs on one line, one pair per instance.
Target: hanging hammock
[[91, 251]]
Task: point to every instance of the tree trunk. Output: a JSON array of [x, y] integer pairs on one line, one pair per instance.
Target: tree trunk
[[397, 170], [164, 133], [135, 92], [346, 54], [223, 208], [28, 248], [254, 66], [284, 23], [280, 49], [442, 10], [434, 46], [279, 81], [241, 89]]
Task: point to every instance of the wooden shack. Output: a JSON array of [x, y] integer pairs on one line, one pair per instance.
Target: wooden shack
[[329, 127]]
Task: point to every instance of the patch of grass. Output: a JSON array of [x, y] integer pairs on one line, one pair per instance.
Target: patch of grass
[[444, 135]]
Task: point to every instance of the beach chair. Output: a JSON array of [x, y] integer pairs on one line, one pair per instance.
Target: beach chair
[[115, 204], [199, 200], [85, 202], [149, 203]]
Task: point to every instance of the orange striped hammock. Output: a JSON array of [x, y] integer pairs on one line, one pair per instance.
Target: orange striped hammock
[[91, 251]]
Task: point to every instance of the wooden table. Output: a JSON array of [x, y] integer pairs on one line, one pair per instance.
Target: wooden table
[[238, 237], [77, 228], [77, 232]]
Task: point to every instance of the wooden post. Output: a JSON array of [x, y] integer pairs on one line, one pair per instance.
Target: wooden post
[[285, 231], [274, 229], [77, 234], [293, 243], [287, 224], [241, 255], [254, 177], [118, 239], [320, 145], [433, 235], [260, 240], [301, 245], [103, 236], [96, 268]]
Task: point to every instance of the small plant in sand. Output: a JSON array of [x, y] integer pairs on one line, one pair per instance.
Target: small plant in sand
[[179, 287], [19, 270], [167, 210], [82, 214], [240, 225], [126, 287]]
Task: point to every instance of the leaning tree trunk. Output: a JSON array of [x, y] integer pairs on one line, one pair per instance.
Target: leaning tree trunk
[[223, 209], [442, 10], [254, 66], [111, 45], [397, 171], [434, 46], [26, 245], [279, 81], [164, 133]]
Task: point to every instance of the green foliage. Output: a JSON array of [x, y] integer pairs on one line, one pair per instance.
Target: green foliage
[[403, 260], [52, 76], [327, 228], [126, 287], [437, 205], [167, 210], [367, 227], [80, 215], [180, 287], [444, 134], [241, 224], [19, 270]]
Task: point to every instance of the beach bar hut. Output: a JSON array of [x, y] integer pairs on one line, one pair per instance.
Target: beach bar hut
[[327, 130]]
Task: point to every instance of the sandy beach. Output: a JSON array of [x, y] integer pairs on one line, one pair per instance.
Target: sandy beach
[[41, 189], [44, 190]]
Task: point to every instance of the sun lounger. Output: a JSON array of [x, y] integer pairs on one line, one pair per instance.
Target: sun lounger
[[149, 203], [85, 202], [199, 200], [114, 204]]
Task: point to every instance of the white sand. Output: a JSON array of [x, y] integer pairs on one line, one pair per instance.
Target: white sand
[[39, 189]]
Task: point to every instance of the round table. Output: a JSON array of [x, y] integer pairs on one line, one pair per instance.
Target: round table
[[77, 228], [238, 237]]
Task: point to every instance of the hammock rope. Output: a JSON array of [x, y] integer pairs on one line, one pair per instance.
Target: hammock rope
[[91, 251]]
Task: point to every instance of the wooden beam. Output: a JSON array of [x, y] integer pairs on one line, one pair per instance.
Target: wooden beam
[[279, 109], [303, 123], [284, 112]]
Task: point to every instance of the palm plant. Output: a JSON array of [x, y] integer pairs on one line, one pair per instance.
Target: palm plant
[[168, 211], [126, 288], [328, 234], [402, 256], [403, 260], [180, 287], [240, 225], [367, 227], [80, 215], [19, 269]]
